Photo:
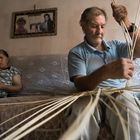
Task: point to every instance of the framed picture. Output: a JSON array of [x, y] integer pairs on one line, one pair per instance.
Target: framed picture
[[38, 22]]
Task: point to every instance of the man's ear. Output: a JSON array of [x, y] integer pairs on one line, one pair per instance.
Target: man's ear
[[83, 26]]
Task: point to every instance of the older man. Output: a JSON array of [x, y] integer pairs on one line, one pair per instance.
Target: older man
[[96, 62]]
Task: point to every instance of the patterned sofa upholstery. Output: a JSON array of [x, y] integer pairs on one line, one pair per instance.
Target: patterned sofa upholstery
[[44, 76]]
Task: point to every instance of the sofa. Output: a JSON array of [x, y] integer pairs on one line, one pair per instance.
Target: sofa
[[43, 77]]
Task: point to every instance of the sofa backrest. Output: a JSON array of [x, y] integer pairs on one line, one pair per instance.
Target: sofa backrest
[[49, 74], [44, 74]]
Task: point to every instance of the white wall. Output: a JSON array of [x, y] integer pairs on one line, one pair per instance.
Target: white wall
[[69, 32]]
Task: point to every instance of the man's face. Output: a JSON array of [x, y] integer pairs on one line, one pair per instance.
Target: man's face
[[46, 18], [95, 29]]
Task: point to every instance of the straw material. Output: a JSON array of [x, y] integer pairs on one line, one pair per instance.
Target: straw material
[[52, 107]]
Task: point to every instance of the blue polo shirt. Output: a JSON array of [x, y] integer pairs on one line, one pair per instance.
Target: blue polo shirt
[[84, 59]]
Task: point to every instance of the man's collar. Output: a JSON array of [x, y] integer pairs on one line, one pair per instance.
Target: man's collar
[[94, 49]]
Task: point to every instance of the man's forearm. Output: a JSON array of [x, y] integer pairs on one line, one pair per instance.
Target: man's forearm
[[91, 81]]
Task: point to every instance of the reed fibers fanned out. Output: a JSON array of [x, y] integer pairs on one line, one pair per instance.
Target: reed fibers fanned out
[[120, 104], [49, 103], [23, 130], [77, 128], [124, 108], [58, 104], [61, 104], [41, 123]]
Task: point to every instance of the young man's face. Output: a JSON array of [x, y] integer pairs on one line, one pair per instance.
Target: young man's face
[[95, 29], [46, 17]]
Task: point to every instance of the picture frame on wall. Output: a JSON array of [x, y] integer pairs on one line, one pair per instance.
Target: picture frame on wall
[[33, 23]]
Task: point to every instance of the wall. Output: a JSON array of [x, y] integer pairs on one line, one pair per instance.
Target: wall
[[68, 30]]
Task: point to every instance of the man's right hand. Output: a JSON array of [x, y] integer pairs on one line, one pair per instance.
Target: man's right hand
[[120, 69]]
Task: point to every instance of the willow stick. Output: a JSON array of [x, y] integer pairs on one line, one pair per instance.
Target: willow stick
[[27, 102]]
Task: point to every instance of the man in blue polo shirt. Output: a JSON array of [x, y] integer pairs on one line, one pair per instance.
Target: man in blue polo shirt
[[99, 63]]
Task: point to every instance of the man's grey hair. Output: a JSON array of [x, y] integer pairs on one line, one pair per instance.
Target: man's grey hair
[[94, 11]]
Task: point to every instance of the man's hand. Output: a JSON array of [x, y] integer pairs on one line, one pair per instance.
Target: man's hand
[[119, 12], [122, 68]]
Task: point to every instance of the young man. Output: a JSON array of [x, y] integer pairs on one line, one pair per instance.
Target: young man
[[98, 63], [47, 25]]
